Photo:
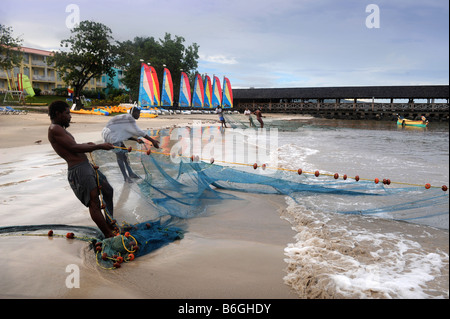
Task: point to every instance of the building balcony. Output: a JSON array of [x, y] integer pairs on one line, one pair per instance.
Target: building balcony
[[43, 78], [40, 63]]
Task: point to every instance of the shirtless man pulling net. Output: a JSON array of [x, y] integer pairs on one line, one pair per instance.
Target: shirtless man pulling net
[[81, 174]]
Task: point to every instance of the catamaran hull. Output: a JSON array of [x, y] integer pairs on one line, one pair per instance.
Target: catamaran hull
[[405, 122]]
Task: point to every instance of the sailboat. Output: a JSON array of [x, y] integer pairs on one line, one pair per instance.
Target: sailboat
[[208, 92], [146, 87], [185, 91], [227, 98], [217, 93], [204, 95], [198, 96], [167, 89], [25, 84], [156, 95]]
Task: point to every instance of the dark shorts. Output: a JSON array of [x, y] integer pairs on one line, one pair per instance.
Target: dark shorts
[[83, 179]]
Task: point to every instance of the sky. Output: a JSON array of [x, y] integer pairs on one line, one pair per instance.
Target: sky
[[266, 43]]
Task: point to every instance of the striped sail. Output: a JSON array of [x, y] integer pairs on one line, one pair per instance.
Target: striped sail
[[217, 93], [167, 89], [208, 92], [24, 84], [156, 95], [198, 96], [185, 91], [145, 87], [227, 97]]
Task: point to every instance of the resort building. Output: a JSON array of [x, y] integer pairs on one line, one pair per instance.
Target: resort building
[[116, 80], [45, 77]]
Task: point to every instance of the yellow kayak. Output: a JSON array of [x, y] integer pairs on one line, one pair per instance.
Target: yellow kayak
[[148, 115], [406, 122], [107, 110], [93, 111]]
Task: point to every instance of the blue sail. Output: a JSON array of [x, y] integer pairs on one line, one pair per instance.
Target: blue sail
[[227, 97], [198, 96], [167, 89], [185, 91], [145, 87], [208, 92], [217, 93]]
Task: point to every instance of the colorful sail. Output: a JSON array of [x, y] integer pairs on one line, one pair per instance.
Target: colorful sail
[[208, 92], [167, 89], [145, 87], [198, 96], [217, 93], [24, 84], [227, 97], [156, 95], [185, 91]]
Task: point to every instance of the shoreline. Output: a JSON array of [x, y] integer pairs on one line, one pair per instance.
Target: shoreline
[[28, 129], [240, 249], [226, 254]]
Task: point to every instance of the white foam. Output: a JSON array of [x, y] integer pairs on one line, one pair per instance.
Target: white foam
[[348, 257], [292, 156]]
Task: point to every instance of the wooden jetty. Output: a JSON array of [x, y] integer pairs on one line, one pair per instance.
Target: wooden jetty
[[359, 102]]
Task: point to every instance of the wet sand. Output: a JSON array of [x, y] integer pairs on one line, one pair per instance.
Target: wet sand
[[235, 252]]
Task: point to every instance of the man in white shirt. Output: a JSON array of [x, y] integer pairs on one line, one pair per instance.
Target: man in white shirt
[[123, 127], [219, 111], [248, 113]]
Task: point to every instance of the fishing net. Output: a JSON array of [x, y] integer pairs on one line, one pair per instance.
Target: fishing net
[[197, 166], [181, 179], [140, 239]]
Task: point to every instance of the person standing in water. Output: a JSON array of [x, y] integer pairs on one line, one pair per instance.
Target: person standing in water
[[248, 113], [219, 111], [120, 128], [259, 117]]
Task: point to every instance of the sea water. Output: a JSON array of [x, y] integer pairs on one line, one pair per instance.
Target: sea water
[[390, 252], [372, 240], [408, 157], [382, 251]]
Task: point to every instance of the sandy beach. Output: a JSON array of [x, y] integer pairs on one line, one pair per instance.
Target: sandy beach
[[237, 252]]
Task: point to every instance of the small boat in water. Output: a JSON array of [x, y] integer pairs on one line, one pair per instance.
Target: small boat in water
[[423, 122]]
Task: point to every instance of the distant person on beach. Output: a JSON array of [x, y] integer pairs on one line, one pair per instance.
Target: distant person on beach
[[120, 128], [248, 113], [219, 112], [259, 117], [81, 174]]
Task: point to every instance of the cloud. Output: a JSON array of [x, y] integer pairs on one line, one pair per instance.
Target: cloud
[[217, 59], [268, 43]]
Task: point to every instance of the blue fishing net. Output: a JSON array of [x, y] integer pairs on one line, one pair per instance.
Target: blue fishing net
[[176, 184], [180, 185], [134, 241]]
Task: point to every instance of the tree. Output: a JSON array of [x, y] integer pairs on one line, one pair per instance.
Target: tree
[[91, 54], [168, 51], [10, 49]]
